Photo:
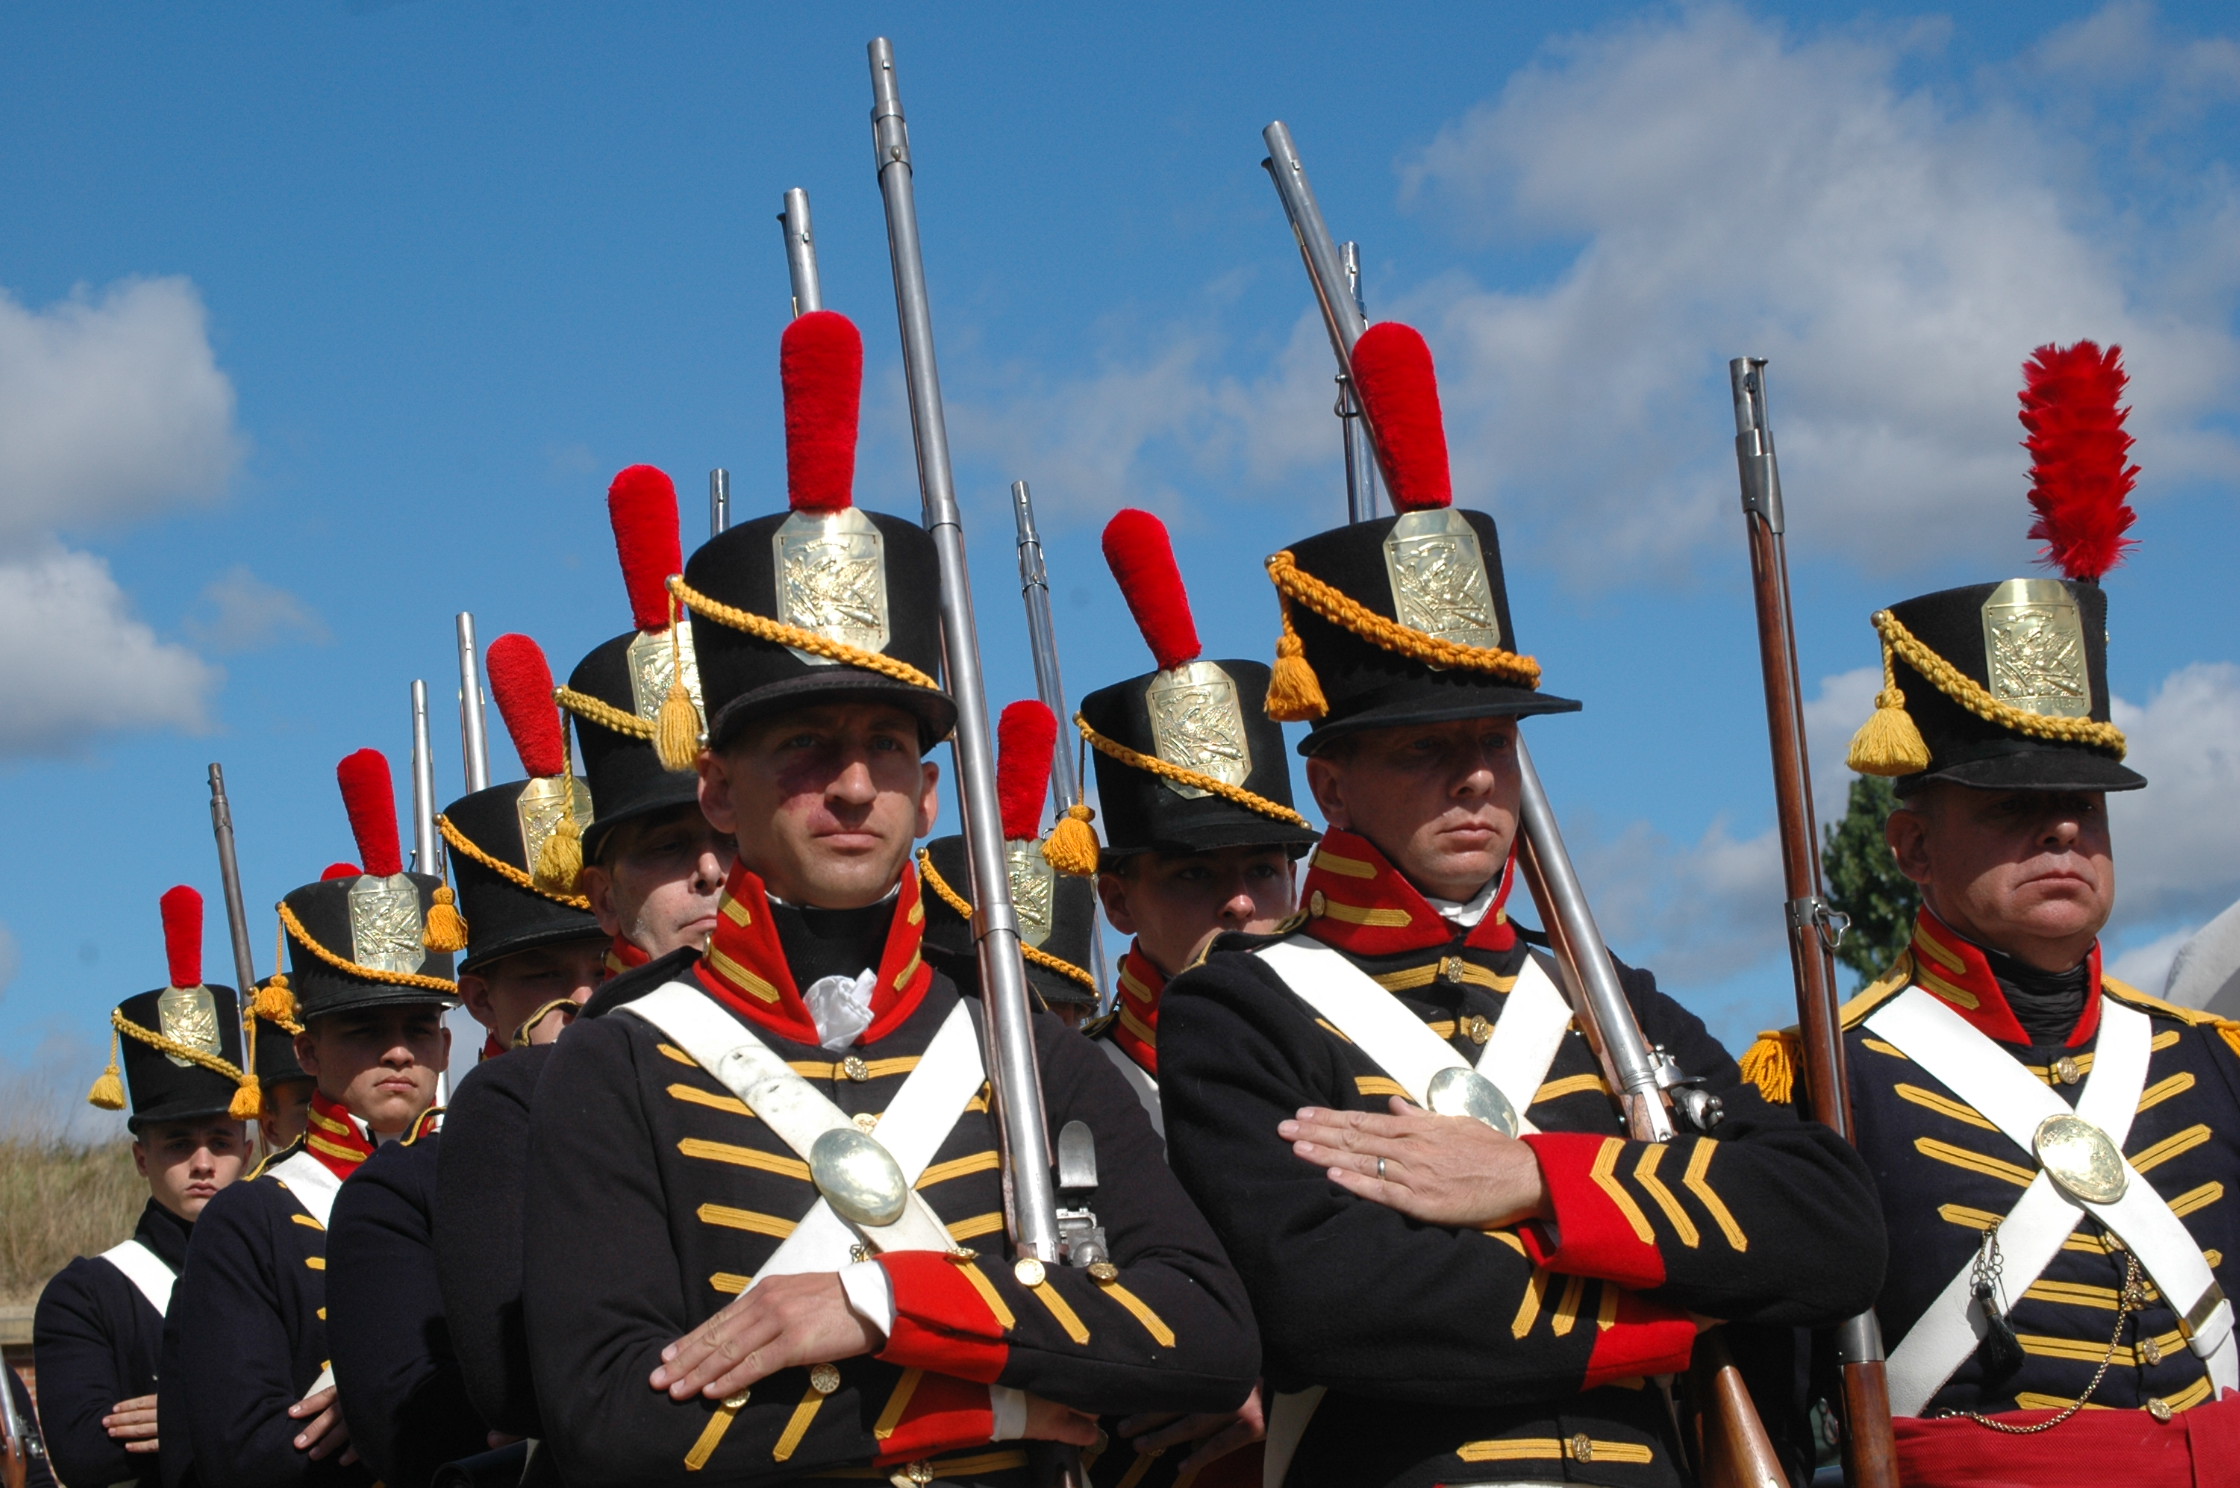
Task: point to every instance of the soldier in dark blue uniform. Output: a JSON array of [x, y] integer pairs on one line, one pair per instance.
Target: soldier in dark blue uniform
[[2056, 1151], [247, 1372], [534, 953], [1444, 1302], [696, 1311], [98, 1332]]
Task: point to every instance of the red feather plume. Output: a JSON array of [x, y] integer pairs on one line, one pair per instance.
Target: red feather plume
[[642, 506], [339, 870], [521, 680], [370, 797], [1399, 388], [820, 366], [2080, 475], [182, 935], [1141, 556], [1026, 744]]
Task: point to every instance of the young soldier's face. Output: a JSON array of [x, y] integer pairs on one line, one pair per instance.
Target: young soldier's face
[[287, 1112], [658, 880], [508, 992], [825, 802], [1170, 902], [1439, 800], [187, 1162], [2031, 873], [380, 1063]]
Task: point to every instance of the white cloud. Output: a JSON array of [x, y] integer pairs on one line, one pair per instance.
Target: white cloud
[[2147, 964], [75, 661], [1736, 190], [2175, 840], [111, 409], [241, 612]]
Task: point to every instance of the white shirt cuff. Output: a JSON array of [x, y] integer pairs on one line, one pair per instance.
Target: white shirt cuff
[[1010, 1407], [871, 1294]]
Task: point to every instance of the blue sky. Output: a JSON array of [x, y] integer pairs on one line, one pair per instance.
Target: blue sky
[[324, 322]]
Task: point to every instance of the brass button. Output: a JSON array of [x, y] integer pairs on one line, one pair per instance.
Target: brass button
[[824, 1379], [855, 1069], [736, 1402], [1450, 967], [1104, 1271], [859, 1252], [2065, 1070], [1478, 1029], [915, 1473], [2160, 1409], [961, 1253], [866, 1120], [2151, 1351], [1316, 904], [1582, 1447], [1029, 1271]]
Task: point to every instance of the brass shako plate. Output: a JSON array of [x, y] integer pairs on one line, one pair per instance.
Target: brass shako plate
[[2080, 1158], [189, 1015], [1034, 889], [1197, 722], [385, 926], [2034, 653], [859, 1178], [1437, 573], [654, 660], [831, 572], [1465, 1092]]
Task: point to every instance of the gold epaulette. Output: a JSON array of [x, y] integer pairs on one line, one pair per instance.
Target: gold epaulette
[[2124, 992], [1771, 1063]]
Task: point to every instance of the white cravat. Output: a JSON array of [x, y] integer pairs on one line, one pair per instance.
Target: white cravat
[[1467, 913], [841, 1006]]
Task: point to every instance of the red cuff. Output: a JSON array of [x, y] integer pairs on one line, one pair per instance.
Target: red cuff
[[1642, 1338], [939, 1414], [946, 1318], [1599, 1229]]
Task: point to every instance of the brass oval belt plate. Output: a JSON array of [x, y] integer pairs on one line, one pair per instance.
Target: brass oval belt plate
[[859, 1178], [1465, 1092], [2078, 1156]]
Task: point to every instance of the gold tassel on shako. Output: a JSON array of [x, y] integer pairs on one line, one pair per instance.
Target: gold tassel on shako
[[676, 728], [1294, 691], [560, 858], [108, 1087], [446, 929], [1771, 1065], [1889, 742], [1071, 846], [248, 1100], [274, 1003]]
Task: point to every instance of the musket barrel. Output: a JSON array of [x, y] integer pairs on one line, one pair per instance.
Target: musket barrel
[[229, 877], [474, 742], [801, 253], [1361, 460], [719, 501], [427, 856], [1340, 314], [1018, 1077]]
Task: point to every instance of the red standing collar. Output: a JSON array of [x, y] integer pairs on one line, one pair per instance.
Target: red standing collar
[[623, 956], [1955, 969], [335, 1137], [745, 965], [1135, 1018], [1359, 903]]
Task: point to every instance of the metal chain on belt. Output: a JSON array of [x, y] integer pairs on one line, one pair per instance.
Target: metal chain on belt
[[2128, 1301]]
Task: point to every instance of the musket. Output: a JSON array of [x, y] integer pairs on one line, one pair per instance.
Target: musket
[[1030, 1196], [1648, 1084], [1066, 785], [427, 855], [801, 253], [1814, 927], [229, 875], [15, 1452], [1336, 275], [719, 501], [474, 740]]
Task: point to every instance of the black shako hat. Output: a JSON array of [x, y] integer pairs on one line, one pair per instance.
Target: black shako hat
[[1056, 907], [180, 1045], [824, 602], [516, 849], [1187, 758], [373, 936], [636, 698], [276, 1055], [1405, 619], [2005, 686]]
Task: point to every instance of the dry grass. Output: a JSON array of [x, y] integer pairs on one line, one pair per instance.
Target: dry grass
[[67, 1186]]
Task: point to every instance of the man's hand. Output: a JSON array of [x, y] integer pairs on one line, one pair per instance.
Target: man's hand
[[1219, 1434], [133, 1422], [1443, 1170], [328, 1433], [782, 1323], [1049, 1421]]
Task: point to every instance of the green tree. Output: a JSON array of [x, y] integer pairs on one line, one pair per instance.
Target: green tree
[[1864, 881]]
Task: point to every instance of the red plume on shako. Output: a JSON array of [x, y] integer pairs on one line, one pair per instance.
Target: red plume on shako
[[521, 684], [820, 367], [2080, 475], [182, 934]]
